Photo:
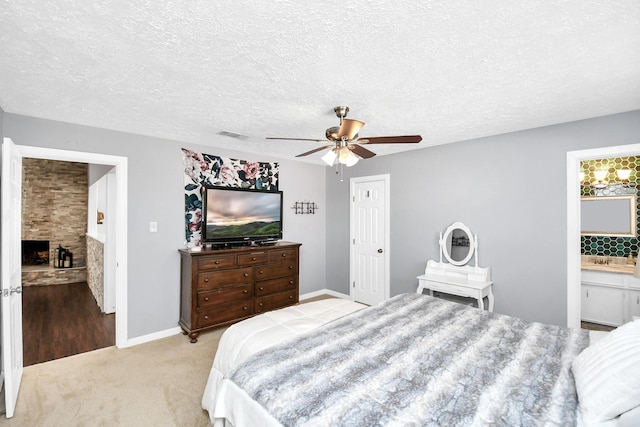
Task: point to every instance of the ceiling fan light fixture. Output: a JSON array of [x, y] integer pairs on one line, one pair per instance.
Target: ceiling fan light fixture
[[346, 157], [330, 157]]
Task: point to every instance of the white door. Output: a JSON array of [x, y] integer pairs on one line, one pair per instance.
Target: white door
[[369, 239], [11, 273]]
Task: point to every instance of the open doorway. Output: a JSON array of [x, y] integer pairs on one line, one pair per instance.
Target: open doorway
[[63, 278], [115, 262], [574, 250]]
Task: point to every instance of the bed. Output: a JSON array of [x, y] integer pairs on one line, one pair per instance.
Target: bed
[[419, 360]]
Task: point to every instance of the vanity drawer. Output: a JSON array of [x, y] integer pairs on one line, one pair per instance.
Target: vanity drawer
[[223, 296], [216, 262], [252, 258], [221, 279], [288, 253], [227, 313], [450, 289], [283, 269], [274, 286], [275, 301]]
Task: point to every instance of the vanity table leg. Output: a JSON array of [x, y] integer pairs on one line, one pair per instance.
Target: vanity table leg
[[480, 300], [490, 298]]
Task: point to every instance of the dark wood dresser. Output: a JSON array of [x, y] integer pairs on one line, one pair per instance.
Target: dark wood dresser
[[222, 286]]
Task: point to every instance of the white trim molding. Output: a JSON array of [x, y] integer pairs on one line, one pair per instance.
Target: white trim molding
[[121, 238]]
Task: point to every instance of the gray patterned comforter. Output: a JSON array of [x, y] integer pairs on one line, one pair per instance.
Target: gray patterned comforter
[[419, 361]]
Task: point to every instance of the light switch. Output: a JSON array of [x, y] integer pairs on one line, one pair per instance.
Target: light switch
[[153, 227]]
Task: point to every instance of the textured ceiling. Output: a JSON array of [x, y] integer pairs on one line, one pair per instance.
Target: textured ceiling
[[189, 69]]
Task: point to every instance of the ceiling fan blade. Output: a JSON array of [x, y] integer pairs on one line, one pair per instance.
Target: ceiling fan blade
[[315, 150], [350, 128], [296, 139], [405, 139], [361, 151]]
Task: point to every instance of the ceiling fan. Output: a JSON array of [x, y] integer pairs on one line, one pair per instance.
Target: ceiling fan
[[346, 146]]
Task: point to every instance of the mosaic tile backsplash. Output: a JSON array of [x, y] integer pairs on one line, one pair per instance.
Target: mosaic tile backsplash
[[604, 245]]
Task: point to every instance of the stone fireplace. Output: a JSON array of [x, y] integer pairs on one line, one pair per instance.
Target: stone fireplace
[[54, 210]]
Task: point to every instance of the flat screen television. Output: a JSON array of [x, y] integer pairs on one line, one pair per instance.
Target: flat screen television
[[237, 216]]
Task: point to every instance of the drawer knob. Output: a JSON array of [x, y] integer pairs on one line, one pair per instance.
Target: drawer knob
[[253, 258], [284, 255], [260, 304], [246, 274], [290, 296], [206, 317], [261, 272], [206, 280], [291, 282], [245, 291], [261, 288], [291, 267], [244, 308], [217, 262], [206, 298]]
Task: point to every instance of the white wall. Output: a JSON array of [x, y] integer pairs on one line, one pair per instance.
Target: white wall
[[509, 189], [156, 193]]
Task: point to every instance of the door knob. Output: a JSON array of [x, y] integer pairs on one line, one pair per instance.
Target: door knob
[[379, 251]]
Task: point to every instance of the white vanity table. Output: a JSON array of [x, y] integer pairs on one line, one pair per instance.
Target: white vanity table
[[456, 277]]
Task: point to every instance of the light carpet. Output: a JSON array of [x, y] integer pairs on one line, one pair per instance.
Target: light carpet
[[154, 384]]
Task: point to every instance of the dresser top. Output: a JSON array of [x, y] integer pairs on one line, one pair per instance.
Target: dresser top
[[238, 249]]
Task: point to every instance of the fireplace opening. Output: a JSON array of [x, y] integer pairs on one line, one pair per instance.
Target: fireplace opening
[[35, 252]]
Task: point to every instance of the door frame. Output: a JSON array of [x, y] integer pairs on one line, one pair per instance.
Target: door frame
[[386, 178], [118, 249], [574, 309]]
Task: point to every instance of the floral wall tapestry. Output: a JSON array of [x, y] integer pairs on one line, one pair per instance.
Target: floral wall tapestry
[[206, 169]]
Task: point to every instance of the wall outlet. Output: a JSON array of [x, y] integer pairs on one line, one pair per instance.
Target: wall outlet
[[153, 227]]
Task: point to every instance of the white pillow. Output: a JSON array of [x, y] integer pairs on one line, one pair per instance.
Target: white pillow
[[607, 374]]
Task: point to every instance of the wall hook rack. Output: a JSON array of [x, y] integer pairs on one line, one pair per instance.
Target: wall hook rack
[[304, 208]]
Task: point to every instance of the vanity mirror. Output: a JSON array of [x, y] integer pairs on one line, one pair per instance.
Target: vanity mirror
[[608, 216], [458, 244]]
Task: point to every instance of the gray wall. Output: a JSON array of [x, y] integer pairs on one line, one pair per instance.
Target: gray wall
[[156, 193], [509, 189]]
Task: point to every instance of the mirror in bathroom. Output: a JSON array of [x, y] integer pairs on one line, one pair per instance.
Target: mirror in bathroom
[[458, 244], [609, 216]]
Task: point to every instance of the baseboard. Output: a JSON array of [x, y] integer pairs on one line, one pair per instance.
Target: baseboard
[[324, 292], [152, 337]]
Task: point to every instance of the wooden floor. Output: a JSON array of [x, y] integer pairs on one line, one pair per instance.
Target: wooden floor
[[63, 320], [596, 327]]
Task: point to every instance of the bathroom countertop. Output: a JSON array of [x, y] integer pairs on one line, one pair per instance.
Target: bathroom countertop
[[613, 268], [612, 264]]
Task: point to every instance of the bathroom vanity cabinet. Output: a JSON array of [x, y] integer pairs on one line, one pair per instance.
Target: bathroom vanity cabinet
[[609, 298]]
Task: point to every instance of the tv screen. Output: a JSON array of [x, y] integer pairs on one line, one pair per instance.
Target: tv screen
[[235, 215]]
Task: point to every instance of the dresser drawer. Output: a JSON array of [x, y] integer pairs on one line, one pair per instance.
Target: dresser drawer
[[216, 262], [221, 279], [276, 301], [226, 313], [272, 271], [222, 296], [252, 258], [273, 286], [280, 254]]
